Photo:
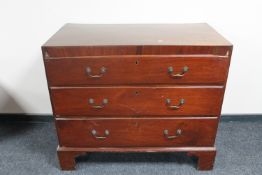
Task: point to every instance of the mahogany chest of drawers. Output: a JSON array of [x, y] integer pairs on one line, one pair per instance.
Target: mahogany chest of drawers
[[137, 88]]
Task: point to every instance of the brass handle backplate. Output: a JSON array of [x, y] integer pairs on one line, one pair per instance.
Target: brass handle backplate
[[170, 71], [91, 101], [94, 133], [174, 107], [89, 72], [177, 134]]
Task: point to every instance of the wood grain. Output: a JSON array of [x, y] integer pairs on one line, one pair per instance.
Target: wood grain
[[199, 34], [135, 70], [206, 159], [137, 101], [205, 155], [79, 51], [136, 84], [136, 132]]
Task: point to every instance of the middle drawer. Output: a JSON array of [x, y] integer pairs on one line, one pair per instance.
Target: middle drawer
[[151, 101]]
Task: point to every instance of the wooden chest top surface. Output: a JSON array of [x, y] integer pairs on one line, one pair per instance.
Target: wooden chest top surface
[[198, 34]]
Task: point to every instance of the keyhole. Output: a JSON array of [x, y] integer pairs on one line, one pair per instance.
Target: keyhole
[[136, 62], [136, 93]]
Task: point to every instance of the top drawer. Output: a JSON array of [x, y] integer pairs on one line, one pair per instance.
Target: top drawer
[[127, 70]]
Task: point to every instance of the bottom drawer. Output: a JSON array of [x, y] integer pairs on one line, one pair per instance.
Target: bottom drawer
[[134, 132]]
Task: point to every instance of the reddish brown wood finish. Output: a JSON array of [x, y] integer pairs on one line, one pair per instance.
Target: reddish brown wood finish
[[136, 83], [206, 159], [76, 51], [198, 34], [67, 158], [136, 132], [199, 101], [205, 155], [145, 70]]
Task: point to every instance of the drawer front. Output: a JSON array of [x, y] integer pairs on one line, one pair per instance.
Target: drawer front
[[155, 101], [137, 132], [136, 70]]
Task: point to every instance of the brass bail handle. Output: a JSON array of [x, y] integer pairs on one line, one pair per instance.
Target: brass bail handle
[[170, 71], [89, 72], [91, 101], [177, 134], [174, 107], [106, 134]]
